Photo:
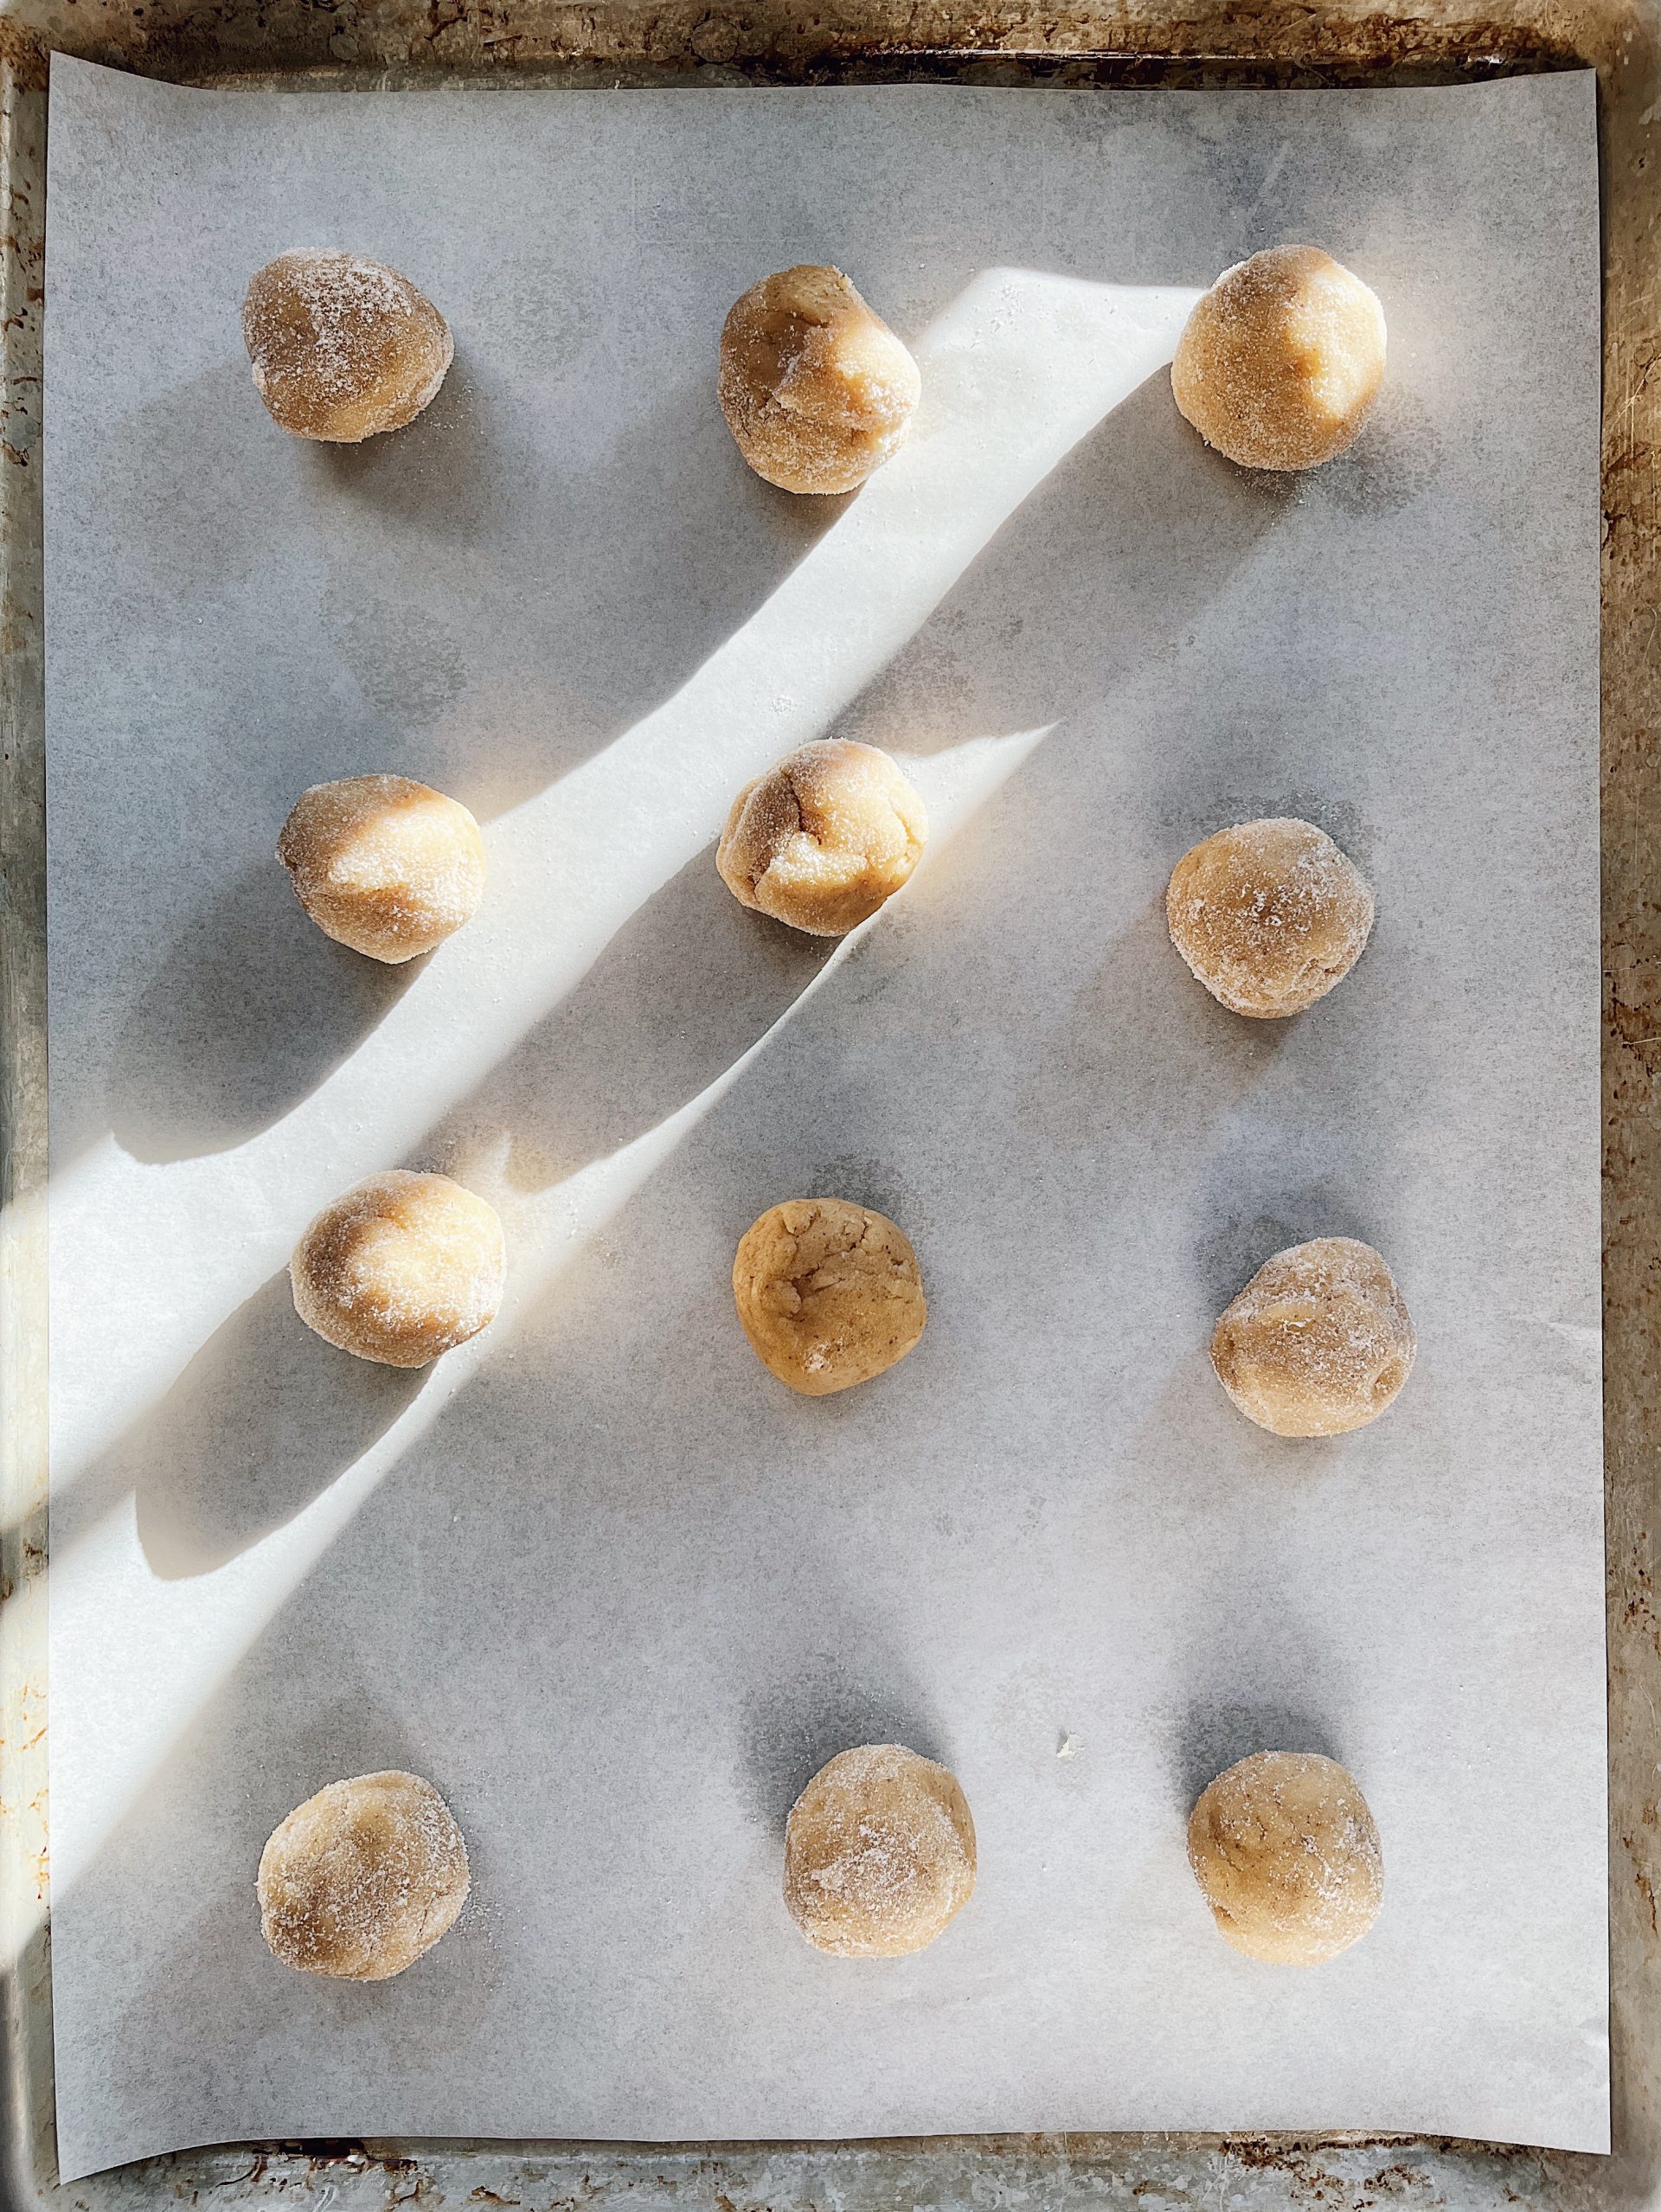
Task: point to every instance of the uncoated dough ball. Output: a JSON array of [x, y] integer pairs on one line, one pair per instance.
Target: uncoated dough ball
[[362, 1879], [1269, 915], [879, 1853], [382, 864], [830, 1293], [823, 839], [1319, 1341], [402, 1268], [342, 348], [1287, 1852], [816, 388], [1280, 362]]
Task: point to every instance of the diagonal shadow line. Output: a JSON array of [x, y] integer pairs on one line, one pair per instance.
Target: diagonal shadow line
[[696, 943], [236, 1016], [1017, 369], [180, 1644], [263, 1419]]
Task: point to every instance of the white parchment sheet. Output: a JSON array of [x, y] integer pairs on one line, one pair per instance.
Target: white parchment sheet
[[613, 1589]]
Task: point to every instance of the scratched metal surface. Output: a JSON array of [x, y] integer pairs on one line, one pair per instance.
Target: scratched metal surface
[[376, 44]]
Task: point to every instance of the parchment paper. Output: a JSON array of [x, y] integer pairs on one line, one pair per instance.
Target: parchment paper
[[615, 1590]]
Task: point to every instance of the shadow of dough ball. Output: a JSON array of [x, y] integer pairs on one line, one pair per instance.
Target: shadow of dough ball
[[824, 838], [342, 348], [401, 1268], [362, 1879], [1286, 1854], [382, 864], [879, 1853], [816, 388], [1269, 915], [829, 1294], [1279, 362], [1319, 1343]]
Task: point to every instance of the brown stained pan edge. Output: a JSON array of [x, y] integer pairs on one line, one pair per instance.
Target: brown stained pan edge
[[1373, 2165], [1280, 43]]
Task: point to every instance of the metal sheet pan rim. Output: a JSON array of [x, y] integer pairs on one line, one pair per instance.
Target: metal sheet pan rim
[[373, 45]]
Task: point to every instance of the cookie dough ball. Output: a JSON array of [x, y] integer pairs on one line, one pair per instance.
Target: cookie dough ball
[[830, 1293], [342, 348], [1287, 1852], [1280, 362], [383, 864], [401, 1268], [1269, 915], [1319, 1341], [816, 388], [362, 1878], [879, 1853], [823, 839]]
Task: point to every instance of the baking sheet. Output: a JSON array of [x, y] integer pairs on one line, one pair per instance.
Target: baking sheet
[[612, 1589]]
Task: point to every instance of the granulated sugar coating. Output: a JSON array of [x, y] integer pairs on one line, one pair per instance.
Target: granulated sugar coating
[[385, 865], [817, 389], [362, 1879], [830, 1293], [824, 838], [1269, 915], [1280, 362], [879, 1853], [402, 1268], [342, 348], [1286, 1852], [1319, 1343]]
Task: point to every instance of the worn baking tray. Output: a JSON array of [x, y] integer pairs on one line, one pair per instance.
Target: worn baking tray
[[380, 45]]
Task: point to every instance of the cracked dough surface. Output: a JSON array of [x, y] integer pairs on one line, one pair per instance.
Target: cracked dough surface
[[816, 388], [342, 348], [830, 1293], [879, 1853], [383, 864], [399, 1268], [362, 1879], [1319, 1343], [1279, 362], [1269, 915], [1287, 1854], [824, 838]]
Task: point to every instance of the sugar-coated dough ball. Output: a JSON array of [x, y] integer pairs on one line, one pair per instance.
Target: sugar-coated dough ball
[[1287, 1852], [1269, 915], [824, 838], [362, 1878], [830, 1293], [879, 1853], [383, 864], [1280, 362], [1319, 1341], [816, 388], [342, 347], [402, 1268]]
